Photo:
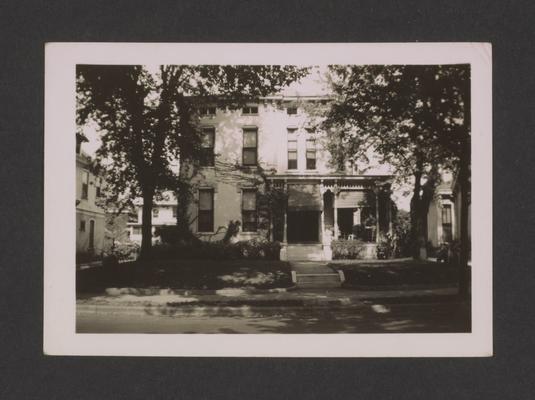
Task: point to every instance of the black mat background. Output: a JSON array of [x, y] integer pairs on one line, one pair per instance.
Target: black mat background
[[24, 28]]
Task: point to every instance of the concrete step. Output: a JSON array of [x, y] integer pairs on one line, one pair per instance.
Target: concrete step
[[318, 280]]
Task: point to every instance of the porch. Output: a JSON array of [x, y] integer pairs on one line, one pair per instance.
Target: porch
[[325, 208]]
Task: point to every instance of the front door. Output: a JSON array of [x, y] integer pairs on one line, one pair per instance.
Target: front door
[[303, 226]]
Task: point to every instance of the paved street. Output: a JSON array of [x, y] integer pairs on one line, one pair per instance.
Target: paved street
[[381, 316]]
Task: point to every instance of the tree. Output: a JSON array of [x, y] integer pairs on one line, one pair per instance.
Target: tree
[[416, 118], [148, 120]]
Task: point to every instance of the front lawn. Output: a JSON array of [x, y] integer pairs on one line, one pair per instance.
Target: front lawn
[[187, 274], [380, 275]]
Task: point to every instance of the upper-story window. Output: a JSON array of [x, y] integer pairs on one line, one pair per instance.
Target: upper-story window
[[205, 219], [291, 110], [249, 214], [311, 154], [207, 111], [250, 146], [85, 184], [250, 110], [292, 154], [207, 147]]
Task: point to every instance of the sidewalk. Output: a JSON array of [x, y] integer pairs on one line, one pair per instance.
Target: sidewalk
[[126, 298]]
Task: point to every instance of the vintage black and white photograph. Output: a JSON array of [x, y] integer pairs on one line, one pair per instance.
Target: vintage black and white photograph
[[273, 198]]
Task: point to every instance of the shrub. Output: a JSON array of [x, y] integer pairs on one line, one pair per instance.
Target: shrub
[[83, 257], [347, 249], [251, 249], [385, 247]]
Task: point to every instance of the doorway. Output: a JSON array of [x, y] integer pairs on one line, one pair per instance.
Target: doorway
[[303, 226]]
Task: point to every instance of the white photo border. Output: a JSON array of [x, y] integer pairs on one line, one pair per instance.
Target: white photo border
[[59, 332]]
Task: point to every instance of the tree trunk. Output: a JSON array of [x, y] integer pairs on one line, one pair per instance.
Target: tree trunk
[[418, 252], [146, 224]]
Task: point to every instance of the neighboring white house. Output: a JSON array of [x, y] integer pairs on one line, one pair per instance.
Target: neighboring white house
[[163, 214], [90, 219]]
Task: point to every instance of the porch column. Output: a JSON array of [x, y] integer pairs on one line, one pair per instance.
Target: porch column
[[285, 238], [335, 216], [285, 235], [322, 221], [377, 215], [390, 223]]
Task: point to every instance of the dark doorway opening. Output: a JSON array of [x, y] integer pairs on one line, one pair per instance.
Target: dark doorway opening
[[303, 226]]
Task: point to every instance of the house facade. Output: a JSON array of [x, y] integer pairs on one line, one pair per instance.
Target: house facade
[[266, 165], [90, 219]]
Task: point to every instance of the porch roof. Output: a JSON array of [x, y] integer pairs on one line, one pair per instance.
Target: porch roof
[[329, 177]]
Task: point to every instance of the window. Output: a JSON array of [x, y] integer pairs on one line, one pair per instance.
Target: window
[[292, 154], [85, 184], [250, 136], [311, 154], [446, 223], [155, 212], [207, 147], [82, 226], [291, 110], [207, 111], [248, 206], [253, 110], [98, 184], [206, 210]]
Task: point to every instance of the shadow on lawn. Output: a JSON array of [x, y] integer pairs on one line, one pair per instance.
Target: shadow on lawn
[[185, 274]]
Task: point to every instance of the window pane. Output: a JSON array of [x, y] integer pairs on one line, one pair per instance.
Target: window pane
[[249, 156], [311, 163], [292, 164], [311, 154], [311, 144], [292, 155], [292, 145], [291, 110], [249, 138], [205, 200], [249, 200], [206, 221]]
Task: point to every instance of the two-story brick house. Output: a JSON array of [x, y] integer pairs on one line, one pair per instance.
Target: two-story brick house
[[272, 146]]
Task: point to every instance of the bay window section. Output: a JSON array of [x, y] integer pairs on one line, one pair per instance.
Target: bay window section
[[311, 154], [207, 158], [292, 154], [250, 146], [249, 212]]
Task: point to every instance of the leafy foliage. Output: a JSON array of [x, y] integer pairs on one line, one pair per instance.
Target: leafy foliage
[[415, 117], [149, 120]]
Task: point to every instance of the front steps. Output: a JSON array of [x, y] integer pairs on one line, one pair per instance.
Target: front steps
[[315, 275], [305, 252]]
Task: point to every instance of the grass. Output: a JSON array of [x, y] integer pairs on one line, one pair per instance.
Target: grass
[[378, 275], [187, 274]]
